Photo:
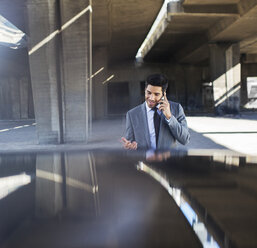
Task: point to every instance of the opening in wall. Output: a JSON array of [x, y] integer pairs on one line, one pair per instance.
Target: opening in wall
[[252, 87], [118, 98]]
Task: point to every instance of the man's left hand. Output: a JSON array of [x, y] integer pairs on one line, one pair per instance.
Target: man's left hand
[[165, 107]]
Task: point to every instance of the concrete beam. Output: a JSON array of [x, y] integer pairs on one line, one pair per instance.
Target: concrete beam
[[249, 45], [193, 50], [229, 9], [222, 25], [181, 9], [197, 45], [198, 9], [250, 59], [245, 5]]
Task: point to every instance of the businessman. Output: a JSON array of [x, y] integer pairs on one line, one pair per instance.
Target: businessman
[[157, 123]]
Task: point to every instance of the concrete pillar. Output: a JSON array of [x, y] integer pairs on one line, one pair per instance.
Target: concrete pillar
[[59, 70], [225, 71], [75, 71], [43, 69]]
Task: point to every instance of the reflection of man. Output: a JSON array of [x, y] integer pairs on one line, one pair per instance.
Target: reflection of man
[[154, 156], [157, 123]]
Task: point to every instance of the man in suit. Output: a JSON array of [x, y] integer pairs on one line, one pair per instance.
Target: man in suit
[[157, 123]]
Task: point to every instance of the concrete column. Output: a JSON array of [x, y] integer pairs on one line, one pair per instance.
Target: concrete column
[[75, 71], [225, 71], [42, 23], [59, 70]]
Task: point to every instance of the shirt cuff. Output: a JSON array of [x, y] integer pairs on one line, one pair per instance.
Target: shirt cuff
[[168, 120]]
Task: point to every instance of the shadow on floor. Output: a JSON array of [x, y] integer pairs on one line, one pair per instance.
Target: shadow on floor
[[198, 141]]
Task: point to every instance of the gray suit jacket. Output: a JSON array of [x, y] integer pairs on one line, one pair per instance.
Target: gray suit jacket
[[137, 127]]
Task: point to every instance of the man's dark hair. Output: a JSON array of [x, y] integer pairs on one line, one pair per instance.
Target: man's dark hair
[[157, 80]]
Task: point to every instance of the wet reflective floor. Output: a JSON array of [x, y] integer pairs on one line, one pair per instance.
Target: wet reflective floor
[[127, 199]]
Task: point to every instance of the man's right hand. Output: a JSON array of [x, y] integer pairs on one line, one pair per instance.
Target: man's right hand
[[129, 145]]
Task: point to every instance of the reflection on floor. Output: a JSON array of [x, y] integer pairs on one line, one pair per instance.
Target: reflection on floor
[[120, 199]]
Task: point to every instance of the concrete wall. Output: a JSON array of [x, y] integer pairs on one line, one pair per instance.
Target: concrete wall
[[185, 83], [16, 101]]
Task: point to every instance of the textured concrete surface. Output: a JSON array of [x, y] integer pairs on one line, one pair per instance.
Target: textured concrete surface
[[207, 133], [237, 134]]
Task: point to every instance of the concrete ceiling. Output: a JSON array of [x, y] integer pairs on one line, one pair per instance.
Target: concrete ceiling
[[198, 23], [123, 25]]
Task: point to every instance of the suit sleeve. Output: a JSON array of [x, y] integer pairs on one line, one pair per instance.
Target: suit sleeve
[[178, 126], [129, 128]]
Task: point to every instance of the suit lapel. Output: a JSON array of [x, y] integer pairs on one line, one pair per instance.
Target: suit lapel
[[145, 124], [162, 126]]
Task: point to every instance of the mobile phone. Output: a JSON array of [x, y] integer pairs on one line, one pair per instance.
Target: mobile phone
[[162, 99]]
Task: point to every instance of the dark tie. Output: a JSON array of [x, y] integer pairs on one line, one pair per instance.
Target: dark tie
[[156, 120]]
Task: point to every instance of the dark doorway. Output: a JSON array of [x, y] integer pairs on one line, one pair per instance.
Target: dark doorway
[[118, 98]]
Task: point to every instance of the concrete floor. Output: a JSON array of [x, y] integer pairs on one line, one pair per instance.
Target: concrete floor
[[207, 133], [237, 134]]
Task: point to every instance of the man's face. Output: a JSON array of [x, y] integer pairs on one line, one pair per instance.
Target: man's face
[[153, 95]]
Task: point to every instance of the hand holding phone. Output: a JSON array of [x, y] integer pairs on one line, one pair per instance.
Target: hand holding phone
[[160, 102], [164, 106]]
